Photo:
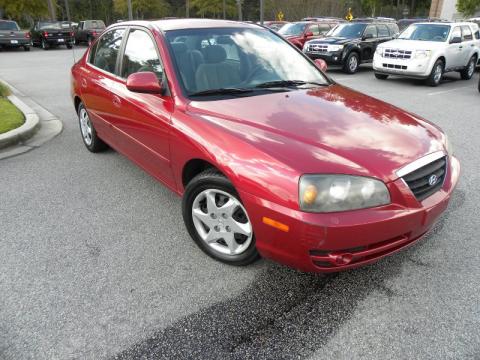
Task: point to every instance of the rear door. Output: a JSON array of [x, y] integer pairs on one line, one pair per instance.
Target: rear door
[[468, 43], [369, 42]]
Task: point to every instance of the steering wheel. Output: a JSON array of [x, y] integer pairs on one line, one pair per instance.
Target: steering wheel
[[253, 72], [438, 37]]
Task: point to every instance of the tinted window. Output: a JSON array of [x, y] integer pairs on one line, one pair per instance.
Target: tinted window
[[456, 32], [477, 34], [467, 33], [140, 55], [50, 25], [349, 31], [370, 30], [9, 25], [106, 53], [383, 31], [94, 24], [314, 30], [324, 28]]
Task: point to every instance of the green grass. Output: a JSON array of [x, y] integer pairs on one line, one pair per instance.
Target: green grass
[[10, 116], [4, 90]]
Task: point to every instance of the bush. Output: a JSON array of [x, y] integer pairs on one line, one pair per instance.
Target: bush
[[4, 90]]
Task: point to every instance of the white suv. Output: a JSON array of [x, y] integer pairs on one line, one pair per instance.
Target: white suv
[[428, 50]]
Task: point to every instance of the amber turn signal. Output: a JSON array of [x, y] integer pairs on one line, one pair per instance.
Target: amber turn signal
[[275, 224], [310, 194]]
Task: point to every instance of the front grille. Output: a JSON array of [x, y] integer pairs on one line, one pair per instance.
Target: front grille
[[397, 54], [318, 47], [421, 181], [395, 66]]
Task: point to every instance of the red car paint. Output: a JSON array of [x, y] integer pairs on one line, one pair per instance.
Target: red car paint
[[263, 144]]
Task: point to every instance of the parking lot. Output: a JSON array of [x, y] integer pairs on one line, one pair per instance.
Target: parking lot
[[95, 261]]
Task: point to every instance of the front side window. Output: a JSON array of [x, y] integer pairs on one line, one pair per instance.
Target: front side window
[[383, 31], [106, 52], [370, 31], [293, 29], [427, 32], [140, 55], [456, 33], [348, 31], [240, 58]]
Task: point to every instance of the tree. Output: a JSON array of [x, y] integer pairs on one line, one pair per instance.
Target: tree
[[468, 7], [214, 8], [143, 9], [19, 9]]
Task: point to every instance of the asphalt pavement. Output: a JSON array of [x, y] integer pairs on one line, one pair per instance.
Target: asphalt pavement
[[95, 261]]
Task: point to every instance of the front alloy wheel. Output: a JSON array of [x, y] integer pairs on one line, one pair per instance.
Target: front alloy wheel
[[436, 74], [217, 220]]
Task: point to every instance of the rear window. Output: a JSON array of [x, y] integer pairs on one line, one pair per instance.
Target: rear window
[[94, 24], [9, 26]]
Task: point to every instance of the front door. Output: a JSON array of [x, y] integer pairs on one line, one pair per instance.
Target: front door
[[455, 51]]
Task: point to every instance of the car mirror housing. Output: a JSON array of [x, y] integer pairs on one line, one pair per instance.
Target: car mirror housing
[[321, 64], [144, 82], [456, 40], [367, 36]]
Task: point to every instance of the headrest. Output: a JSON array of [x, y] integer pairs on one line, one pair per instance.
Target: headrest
[[215, 54], [225, 39], [179, 48]]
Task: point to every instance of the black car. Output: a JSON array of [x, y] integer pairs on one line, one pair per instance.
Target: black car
[[47, 34], [88, 30], [351, 44]]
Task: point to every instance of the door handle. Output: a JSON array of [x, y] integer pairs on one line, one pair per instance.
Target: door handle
[[116, 101], [460, 47]]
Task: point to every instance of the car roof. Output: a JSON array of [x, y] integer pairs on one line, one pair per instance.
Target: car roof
[[444, 23], [179, 24]]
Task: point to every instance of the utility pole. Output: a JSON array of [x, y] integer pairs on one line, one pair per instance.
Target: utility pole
[[224, 10], [261, 12], [187, 8], [51, 10], [130, 14], [239, 7], [67, 9]]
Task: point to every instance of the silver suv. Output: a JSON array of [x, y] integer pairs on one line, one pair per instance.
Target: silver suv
[[428, 50]]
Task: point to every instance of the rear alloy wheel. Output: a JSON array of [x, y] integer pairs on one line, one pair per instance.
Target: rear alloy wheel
[[217, 220], [436, 75], [351, 63], [469, 70], [89, 135], [45, 45], [381, 76]]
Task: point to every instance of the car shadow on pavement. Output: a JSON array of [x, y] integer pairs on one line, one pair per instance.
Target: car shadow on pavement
[[283, 314]]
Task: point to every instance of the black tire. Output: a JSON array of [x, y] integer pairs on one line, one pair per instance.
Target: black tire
[[433, 79], [45, 45], [351, 63], [96, 144], [26, 48], [69, 46], [381, 76], [469, 70], [212, 179]]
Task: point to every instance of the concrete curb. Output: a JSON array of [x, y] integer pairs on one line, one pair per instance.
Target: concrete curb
[[46, 128], [24, 132]]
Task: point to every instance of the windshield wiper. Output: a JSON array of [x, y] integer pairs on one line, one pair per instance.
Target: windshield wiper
[[221, 91], [288, 83]]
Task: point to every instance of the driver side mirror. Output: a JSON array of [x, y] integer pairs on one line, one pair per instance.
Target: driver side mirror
[[308, 34], [456, 40], [144, 82], [367, 36], [321, 64]]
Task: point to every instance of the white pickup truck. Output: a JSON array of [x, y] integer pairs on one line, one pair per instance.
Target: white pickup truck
[[428, 50]]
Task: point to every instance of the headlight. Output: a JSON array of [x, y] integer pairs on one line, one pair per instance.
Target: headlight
[[379, 51], [422, 54], [329, 193], [332, 48], [448, 146]]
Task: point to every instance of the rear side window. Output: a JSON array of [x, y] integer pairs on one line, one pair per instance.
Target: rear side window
[[314, 30], [324, 28], [140, 55], [106, 51], [383, 31], [467, 33], [393, 29]]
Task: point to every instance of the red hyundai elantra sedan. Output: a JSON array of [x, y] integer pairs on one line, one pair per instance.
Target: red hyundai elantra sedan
[[271, 156]]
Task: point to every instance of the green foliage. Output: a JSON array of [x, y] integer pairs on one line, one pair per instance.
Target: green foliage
[[214, 8], [468, 7], [143, 9], [17, 9], [10, 116]]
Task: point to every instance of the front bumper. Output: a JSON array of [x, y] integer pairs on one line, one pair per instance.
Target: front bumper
[[9, 42], [338, 241], [331, 58], [415, 68]]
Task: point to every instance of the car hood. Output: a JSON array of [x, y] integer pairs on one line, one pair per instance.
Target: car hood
[[412, 45], [330, 129], [333, 40]]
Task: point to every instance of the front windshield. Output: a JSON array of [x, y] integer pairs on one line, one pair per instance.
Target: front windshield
[[240, 58], [426, 32], [9, 26], [293, 29], [349, 31], [51, 25]]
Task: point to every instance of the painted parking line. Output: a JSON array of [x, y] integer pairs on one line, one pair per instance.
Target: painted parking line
[[447, 91]]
